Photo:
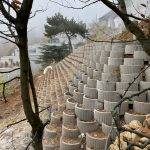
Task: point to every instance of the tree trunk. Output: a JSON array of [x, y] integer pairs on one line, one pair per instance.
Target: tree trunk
[[37, 136], [33, 90], [69, 43], [25, 74]]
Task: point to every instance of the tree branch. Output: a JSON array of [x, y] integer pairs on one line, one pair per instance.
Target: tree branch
[[4, 84], [10, 70], [8, 40], [75, 7], [6, 14], [9, 5], [26, 9]]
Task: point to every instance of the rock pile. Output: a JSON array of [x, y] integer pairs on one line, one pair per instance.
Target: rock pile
[[126, 137]]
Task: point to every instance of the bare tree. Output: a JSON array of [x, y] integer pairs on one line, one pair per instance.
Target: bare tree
[[14, 20]]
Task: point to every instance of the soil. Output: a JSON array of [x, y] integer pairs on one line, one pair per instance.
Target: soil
[[58, 114], [54, 127], [71, 126], [54, 141], [69, 111], [71, 100], [71, 140], [97, 134], [134, 113], [11, 108], [101, 110]]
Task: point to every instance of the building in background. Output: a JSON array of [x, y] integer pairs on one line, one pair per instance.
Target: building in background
[[135, 7]]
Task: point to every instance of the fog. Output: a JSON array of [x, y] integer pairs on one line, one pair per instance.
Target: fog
[[87, 15], [36, 24]]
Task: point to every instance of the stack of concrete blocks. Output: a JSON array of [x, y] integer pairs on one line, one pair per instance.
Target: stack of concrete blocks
[[103, 73]]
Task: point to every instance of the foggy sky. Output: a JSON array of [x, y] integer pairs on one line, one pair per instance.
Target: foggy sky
[[87, 15]]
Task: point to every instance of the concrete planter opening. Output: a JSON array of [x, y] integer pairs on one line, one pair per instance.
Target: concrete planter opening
[[133, 116]]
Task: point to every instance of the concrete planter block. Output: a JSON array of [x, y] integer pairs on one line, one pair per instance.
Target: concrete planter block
[[105, 53], [103, 60], [130, 69], [79, 74], [92, 64], [84, 78], [68, 117], [147, 74], [118, 46], [102, 117], [70, 103], [86, 126], [95, 143], [90, 92], [115, 61], [141, 107], [87, 63], [56, 118], [78, 96], [70, 144], [124, 85], [140, 98], [70, 131], [48, 133], [99, 105], [141, 55], [72, 88], [91, 82], [80, 86], [84, 68], [130, 48], [61, 106], [129, 117], [116, 54], [106, 86], [90, 72], [148, 96], [130, 77], [97, 74], [75, 81], [133, 61], [96, 59], [110, 69], [106, 129], [109, 106], [108, 95], [83, 114], [108, 47], [70, 82], [99, 67], [67, 95], [144, 85], [109, 77], [50, 146], [89, 103]]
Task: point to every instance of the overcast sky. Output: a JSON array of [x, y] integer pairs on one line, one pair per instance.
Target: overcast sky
[[87, 15]]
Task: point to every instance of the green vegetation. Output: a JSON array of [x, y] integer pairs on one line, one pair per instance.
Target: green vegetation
[[52, 54], [58, 24]]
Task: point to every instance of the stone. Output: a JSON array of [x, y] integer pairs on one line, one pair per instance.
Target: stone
[[135, 124], [135, 138], [146, 123], [144, 139], [127, 135]]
